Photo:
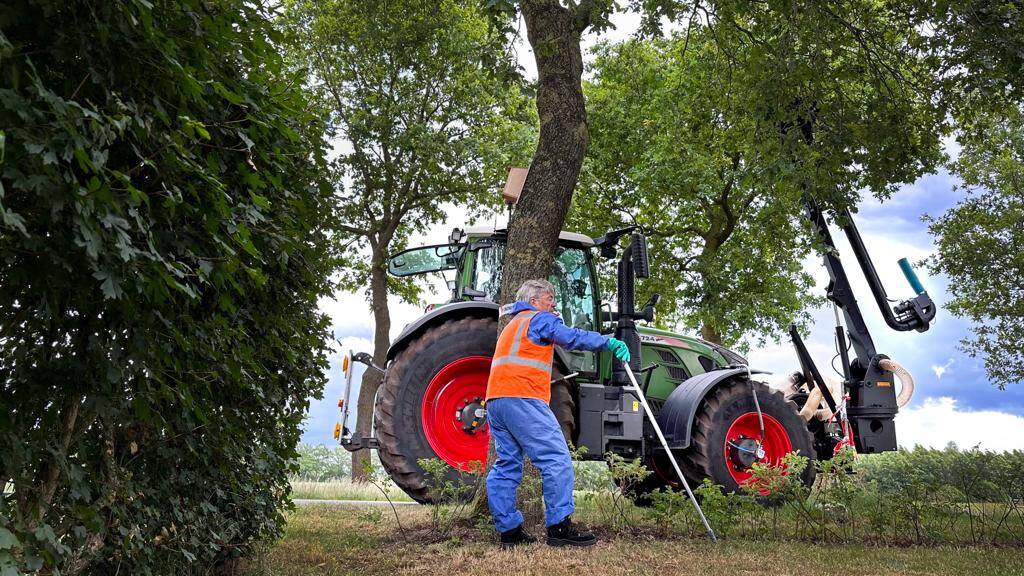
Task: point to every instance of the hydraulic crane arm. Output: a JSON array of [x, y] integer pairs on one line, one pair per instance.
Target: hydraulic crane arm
[[913, 314], [872, 403]]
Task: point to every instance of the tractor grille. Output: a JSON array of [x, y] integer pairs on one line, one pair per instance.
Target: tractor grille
[[677, 372], [672, 364], [668, 356]]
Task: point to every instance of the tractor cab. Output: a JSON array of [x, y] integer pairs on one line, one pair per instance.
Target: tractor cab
[[475, 256]]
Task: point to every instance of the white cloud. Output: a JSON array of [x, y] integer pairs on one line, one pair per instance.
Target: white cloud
[[937, 422], [942, 369]]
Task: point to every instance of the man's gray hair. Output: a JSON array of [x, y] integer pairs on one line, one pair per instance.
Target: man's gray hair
[[534, 289]]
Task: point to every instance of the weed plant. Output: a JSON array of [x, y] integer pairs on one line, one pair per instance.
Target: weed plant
[[452, 496]]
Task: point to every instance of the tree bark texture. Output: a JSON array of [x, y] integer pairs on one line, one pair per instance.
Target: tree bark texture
[[554, 33], [372, 378]]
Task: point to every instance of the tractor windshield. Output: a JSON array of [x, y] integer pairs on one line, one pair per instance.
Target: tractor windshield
[[574, 284], [426, 259]]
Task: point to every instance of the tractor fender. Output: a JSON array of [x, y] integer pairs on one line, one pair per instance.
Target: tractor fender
[[454, 310], [441, 314], [680, 408]]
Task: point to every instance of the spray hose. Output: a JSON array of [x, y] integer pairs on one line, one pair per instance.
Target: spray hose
[[906, 380], [811, 408]]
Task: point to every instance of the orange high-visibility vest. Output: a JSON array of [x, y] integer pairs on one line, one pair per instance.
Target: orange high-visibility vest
[[520, 368]]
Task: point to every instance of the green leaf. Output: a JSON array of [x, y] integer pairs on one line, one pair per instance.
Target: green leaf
[[261, 201], [45, 534], [8, 566], [230, 96], [7, 540]]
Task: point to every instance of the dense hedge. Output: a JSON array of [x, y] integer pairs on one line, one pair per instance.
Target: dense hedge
[[164, 238], [974, 475]]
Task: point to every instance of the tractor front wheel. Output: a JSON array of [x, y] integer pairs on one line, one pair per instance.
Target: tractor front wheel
[[426, 406], [727, 438]]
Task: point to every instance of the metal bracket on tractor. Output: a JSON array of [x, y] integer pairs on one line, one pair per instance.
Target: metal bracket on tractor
[[353, 443], [341, 431]]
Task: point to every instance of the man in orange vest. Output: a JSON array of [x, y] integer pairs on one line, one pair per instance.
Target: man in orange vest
[[518, 392]]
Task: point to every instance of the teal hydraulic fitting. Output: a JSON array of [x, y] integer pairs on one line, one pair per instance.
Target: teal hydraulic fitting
[[911, 276]]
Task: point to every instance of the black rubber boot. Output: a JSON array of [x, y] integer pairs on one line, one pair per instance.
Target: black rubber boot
[[565, 533], [515, 537]]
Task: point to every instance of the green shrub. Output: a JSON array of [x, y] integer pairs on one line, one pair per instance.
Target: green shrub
[[164, 239], [319, 463]]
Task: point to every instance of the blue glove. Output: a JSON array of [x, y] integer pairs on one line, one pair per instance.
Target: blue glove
[[619, 348]]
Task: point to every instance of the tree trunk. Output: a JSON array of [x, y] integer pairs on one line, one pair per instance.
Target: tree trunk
[[554, 33], [555, 169], [371, 378], [710, 333]]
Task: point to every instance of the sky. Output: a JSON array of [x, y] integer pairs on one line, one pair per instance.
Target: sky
[[953, 400]]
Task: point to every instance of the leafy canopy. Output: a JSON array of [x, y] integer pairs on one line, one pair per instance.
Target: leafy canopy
[[427, 110], [711, 139]]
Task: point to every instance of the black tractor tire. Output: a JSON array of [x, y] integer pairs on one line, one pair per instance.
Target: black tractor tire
[[706, 458], [563, 404], [397, 415]]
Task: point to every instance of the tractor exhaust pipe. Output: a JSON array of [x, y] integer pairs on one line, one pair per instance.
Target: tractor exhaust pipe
[[632, 265]]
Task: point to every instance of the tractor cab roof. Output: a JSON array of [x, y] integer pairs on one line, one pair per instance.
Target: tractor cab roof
[[574, 238]]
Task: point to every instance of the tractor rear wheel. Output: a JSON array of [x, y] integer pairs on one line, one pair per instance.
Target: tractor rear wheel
[[427, 403], [726, 431]]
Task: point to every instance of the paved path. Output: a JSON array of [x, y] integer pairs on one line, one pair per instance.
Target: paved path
[[304, 502]]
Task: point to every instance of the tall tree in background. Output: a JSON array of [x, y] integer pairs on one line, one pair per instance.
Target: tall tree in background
[[679, 149], [980, 241], [424, 102]]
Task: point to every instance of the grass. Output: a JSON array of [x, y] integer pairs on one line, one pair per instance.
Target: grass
[[346, 490], [343, 540]]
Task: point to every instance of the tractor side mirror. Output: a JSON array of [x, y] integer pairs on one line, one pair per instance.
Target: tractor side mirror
[[647, 312]]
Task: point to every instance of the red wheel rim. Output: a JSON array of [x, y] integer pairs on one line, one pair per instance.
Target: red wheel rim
[[776, 443], [452, 388]]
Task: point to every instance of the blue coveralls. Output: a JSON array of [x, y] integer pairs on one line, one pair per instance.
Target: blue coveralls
[[527, 426]]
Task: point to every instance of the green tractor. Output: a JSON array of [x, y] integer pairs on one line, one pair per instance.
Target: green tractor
[[717, 417]]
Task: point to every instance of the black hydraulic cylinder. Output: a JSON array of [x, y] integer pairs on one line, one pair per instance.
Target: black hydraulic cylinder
[[843, 354], [625, 329]]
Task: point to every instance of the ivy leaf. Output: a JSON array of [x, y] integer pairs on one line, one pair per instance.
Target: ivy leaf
[[7, 540], [8, 567]]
